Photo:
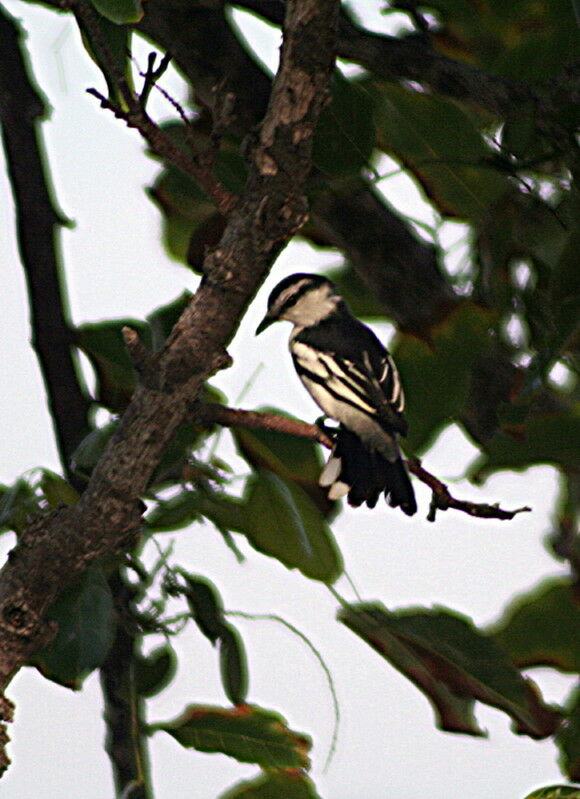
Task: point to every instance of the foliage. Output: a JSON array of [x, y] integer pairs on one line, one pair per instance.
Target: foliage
[[512, 179]]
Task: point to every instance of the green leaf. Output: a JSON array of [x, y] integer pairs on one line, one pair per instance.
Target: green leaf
[[345, 133], [103, 344], [542, 627], [162, 320], [544, 438], [206, 605], [17, 502], [233, 665], [109, 45], [556, 792], [92, 447], [291, 457], [86, 619], [56, 489], [120, 11], [274, 785], [453, 664], [154, 672], [280, 520], [443, 149], [175, 513], [247, 733], [568, 739], [437, 375]]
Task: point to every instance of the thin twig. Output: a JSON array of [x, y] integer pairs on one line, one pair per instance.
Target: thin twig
[[441, 497]]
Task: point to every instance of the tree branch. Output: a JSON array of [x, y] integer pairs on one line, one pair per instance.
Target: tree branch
[[57, 546], [22, 108], [441, 499]]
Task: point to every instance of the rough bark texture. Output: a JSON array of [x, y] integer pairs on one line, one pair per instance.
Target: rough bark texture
[[57, 546]]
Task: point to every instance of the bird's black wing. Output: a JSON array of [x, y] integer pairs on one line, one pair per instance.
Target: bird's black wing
[[346, 357]]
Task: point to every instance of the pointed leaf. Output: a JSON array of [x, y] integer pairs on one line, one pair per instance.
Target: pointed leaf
[[119, 11], [86, 619], [437, 375], [247, 733], [233, 665], [544, 438], [280, 520], [568, 738], [439, 143], [291, 457], [542, 627], [57, 490], [345, 133], [17, 502], [274, 785], [454, 664], [155, 671], [206, 605], [103, 344], [556, 792], [173, 514]]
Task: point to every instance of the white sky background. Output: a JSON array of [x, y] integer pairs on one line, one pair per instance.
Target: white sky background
[[387, 746]]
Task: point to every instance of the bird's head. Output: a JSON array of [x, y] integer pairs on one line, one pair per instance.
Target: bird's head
[[302, 299]]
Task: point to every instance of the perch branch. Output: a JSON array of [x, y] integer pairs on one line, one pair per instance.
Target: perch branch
[[441, 496]]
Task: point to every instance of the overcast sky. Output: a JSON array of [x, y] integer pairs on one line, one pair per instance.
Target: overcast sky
[[387, 744]]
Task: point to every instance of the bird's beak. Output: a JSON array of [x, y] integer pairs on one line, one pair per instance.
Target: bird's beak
[[266, 322]]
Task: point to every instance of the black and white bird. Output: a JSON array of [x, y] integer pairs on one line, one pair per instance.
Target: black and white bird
[[352, 377]]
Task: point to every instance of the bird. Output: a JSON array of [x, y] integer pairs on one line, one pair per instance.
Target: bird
[[354, 380]]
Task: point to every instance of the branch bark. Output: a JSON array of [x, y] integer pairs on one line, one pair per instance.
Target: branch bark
[[59, 545], [38, 221], [441, 496]]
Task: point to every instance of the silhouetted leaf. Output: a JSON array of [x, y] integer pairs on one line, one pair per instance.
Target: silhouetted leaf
[[119, 11], [437, 375], [233, 665], [86, 620], [206, 605], [155, 671], [247, 733], [556, 792], [454, 664], [103, 344], [568, 739], [542, 627], [345, 132], [289, 784], [17, 502], [440, 145]]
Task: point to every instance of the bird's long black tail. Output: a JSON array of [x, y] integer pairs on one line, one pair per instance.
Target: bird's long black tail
[[365, 474]]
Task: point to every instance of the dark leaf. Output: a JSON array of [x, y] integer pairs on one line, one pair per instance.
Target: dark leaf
[[119, 11], [288, 784], [86, 620], [247, 733], [233, 665], [155, 671], [437, 376], [441, 146], [92, 447], [103, 344], [453, 664], [556, 792], [542, 627], [17, 503], [568, 739], [345, 133], [206, 605]]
